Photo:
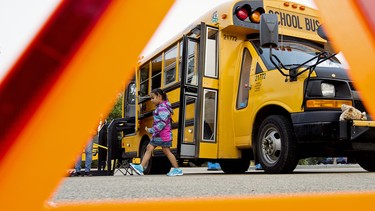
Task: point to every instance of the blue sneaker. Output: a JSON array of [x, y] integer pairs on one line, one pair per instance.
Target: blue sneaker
[[258, 167], [175, 172], [213, 166], [137, 168]]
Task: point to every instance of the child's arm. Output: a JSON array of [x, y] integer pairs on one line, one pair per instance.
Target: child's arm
[[162, 119]]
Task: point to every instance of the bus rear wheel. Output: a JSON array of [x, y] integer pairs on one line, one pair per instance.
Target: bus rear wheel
[[276, 145], [156, 165]]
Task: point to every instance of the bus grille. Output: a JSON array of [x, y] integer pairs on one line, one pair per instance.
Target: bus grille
[[359, 105]]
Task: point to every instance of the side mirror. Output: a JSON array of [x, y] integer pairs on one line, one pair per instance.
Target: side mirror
[[322, 33], [327, 46], [269, 30]]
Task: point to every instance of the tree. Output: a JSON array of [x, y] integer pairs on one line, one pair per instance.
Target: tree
[[117, 108]]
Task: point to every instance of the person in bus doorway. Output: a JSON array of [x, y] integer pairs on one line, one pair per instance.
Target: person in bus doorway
[[161, 133]]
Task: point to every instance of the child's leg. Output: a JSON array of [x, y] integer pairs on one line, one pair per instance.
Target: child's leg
[[147, 155], [170, 156]]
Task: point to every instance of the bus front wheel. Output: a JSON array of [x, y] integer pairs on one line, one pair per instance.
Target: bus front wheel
[[276, 145], [366, 162]]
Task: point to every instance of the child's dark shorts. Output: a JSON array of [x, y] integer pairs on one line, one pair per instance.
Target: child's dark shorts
[[160, 143]]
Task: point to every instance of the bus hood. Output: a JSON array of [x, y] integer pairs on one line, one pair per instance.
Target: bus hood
[[332, 73]]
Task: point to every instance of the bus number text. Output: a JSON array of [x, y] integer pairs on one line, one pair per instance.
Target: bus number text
[[230, 37], [260, 76]]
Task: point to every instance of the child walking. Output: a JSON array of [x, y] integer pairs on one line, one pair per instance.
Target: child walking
[[161, 133]]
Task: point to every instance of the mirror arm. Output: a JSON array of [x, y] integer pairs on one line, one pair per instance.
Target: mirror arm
[[276, 65]]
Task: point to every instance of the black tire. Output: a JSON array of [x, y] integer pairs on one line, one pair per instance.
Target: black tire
[[235, 166], [156, 165], [366, 162], [276, 145]]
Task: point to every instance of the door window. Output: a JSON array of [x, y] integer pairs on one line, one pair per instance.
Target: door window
[[209, 115], [192, 63], [210, 69], [244, 83], [190, 104]]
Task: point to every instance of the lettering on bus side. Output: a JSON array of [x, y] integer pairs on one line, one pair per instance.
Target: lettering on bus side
[[260, 76], [296, 21], [230, 37], [258, 81]]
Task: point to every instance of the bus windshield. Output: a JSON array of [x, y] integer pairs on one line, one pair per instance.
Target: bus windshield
[[293, 53]]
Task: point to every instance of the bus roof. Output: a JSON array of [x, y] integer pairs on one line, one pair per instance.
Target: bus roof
[[294, 20]]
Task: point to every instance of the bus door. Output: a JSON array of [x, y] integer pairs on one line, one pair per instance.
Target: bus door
[[197, 137], [129, 109], [249, 82]]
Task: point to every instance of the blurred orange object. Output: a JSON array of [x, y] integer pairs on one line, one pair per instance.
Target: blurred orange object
[[350, 26], [98, 64], [83, 54]]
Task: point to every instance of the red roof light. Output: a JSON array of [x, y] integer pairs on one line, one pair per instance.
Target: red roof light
[[242, 14]]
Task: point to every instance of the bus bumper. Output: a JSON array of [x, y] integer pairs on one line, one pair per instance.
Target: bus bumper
[[323, 126]]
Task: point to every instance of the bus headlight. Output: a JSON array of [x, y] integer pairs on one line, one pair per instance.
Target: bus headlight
[[328, 90]]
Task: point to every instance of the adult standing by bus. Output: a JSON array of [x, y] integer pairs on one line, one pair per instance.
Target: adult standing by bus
[[88, 155], [161, 133], [88, 161]]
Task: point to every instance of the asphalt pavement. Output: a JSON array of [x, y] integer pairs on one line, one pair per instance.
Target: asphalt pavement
[[197, 182]]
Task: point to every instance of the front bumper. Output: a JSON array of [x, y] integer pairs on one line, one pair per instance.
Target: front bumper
[[324, 126]]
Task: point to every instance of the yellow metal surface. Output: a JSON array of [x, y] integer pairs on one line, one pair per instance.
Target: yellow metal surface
[[210, 83], [361, 123], [208, 150]]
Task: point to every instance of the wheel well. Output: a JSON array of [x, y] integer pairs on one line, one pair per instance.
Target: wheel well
[[261, 115]]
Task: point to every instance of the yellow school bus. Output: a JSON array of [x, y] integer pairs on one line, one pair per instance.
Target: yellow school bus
[[237, 100]]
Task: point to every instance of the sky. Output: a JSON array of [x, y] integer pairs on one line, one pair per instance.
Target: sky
[[20, 20]]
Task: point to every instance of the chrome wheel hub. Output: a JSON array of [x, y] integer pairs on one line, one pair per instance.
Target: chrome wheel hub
[[271, 145]]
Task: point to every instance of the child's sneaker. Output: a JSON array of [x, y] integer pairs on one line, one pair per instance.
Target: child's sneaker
[[137, 168], [175, 172]]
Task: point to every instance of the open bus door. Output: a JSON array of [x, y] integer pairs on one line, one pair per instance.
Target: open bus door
[[197, 135]]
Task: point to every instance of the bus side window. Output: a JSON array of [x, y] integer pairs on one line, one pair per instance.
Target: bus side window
[[244, 83], [144, 80], [156, 73], [170, 65]]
